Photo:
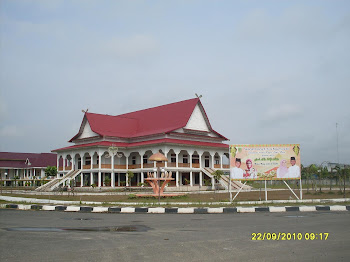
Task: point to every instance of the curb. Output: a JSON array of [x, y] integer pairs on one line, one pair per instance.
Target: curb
[[176, 210]]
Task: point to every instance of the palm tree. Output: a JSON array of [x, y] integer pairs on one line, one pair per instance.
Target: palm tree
[[343, 173], [305, 175], [313, 170], [323, 173]]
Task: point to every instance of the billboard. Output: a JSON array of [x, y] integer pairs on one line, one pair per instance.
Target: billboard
[[265, 162]]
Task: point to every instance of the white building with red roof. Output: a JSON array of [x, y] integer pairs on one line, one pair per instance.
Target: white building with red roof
[[24, 167], [181, 131]]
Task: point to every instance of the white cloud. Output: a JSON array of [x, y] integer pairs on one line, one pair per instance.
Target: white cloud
[[10, 131], [132, 46], [283, 112], [3, 109], [43, 4]]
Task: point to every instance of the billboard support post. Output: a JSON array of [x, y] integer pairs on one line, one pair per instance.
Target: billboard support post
[[291, 189], [229, 187], [239, 191], [301, 190], [265, 191]]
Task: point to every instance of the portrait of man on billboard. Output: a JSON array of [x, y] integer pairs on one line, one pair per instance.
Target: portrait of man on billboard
[[293, 170], [237, 172]]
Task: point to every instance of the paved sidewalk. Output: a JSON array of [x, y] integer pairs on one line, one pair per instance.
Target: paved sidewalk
[[176, 210], [64, 202], [76, 206]]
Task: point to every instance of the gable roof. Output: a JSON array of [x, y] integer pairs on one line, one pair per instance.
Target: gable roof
[[19, 160], [156, 120]]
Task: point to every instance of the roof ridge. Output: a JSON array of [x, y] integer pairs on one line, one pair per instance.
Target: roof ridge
[[159, 106], [123, 115], [25, 153]]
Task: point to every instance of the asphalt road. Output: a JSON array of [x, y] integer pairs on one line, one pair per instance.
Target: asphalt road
[[67, 236]]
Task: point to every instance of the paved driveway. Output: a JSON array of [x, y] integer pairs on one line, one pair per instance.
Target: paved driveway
[[62, 236]]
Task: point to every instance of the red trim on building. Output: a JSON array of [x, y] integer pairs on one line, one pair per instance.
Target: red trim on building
[[151, 142]]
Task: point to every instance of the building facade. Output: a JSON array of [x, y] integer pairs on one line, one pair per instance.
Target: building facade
[[181, 131], [24, 168]]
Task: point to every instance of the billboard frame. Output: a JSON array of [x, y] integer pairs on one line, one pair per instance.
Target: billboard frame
[[260, 179]]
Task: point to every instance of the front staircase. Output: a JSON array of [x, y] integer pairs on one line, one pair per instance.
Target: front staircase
[[56, 182], [224, 181]]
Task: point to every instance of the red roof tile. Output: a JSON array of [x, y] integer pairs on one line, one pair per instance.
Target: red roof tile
[[156, 120], [18, 160]]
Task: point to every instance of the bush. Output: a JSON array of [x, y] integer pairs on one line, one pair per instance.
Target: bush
[[179, 197], [207, 182], [132, 196]]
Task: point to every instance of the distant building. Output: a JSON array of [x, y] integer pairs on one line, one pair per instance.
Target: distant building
[[332, 166], [24, 166], [181, 131]]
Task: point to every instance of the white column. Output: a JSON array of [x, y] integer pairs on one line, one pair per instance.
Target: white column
[[72, 160], [177, 159], [191, 179], [58, 162], [92, 161], [212, 183], [221, 160], [127, 168], [142, 178], [112, 174], [91, 178], [166, 162], [201, 178], [64, 164], [99, 170], [141, 156], [118, 179], [212, 161], [190, 162], [81, 180]]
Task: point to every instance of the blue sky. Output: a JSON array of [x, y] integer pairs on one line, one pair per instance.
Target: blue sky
[[269, 71]]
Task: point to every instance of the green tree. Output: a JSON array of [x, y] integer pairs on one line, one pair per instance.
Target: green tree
[[343, 173], [107, 181], [51, 171], [312, 169], [217, 176], [130, 176], [322, 174], [305, 174]]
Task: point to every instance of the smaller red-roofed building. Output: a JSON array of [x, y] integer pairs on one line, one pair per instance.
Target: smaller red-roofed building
[[181, 131], [24, 167]]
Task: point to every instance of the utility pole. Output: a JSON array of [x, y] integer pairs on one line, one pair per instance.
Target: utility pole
[[336, 129]]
